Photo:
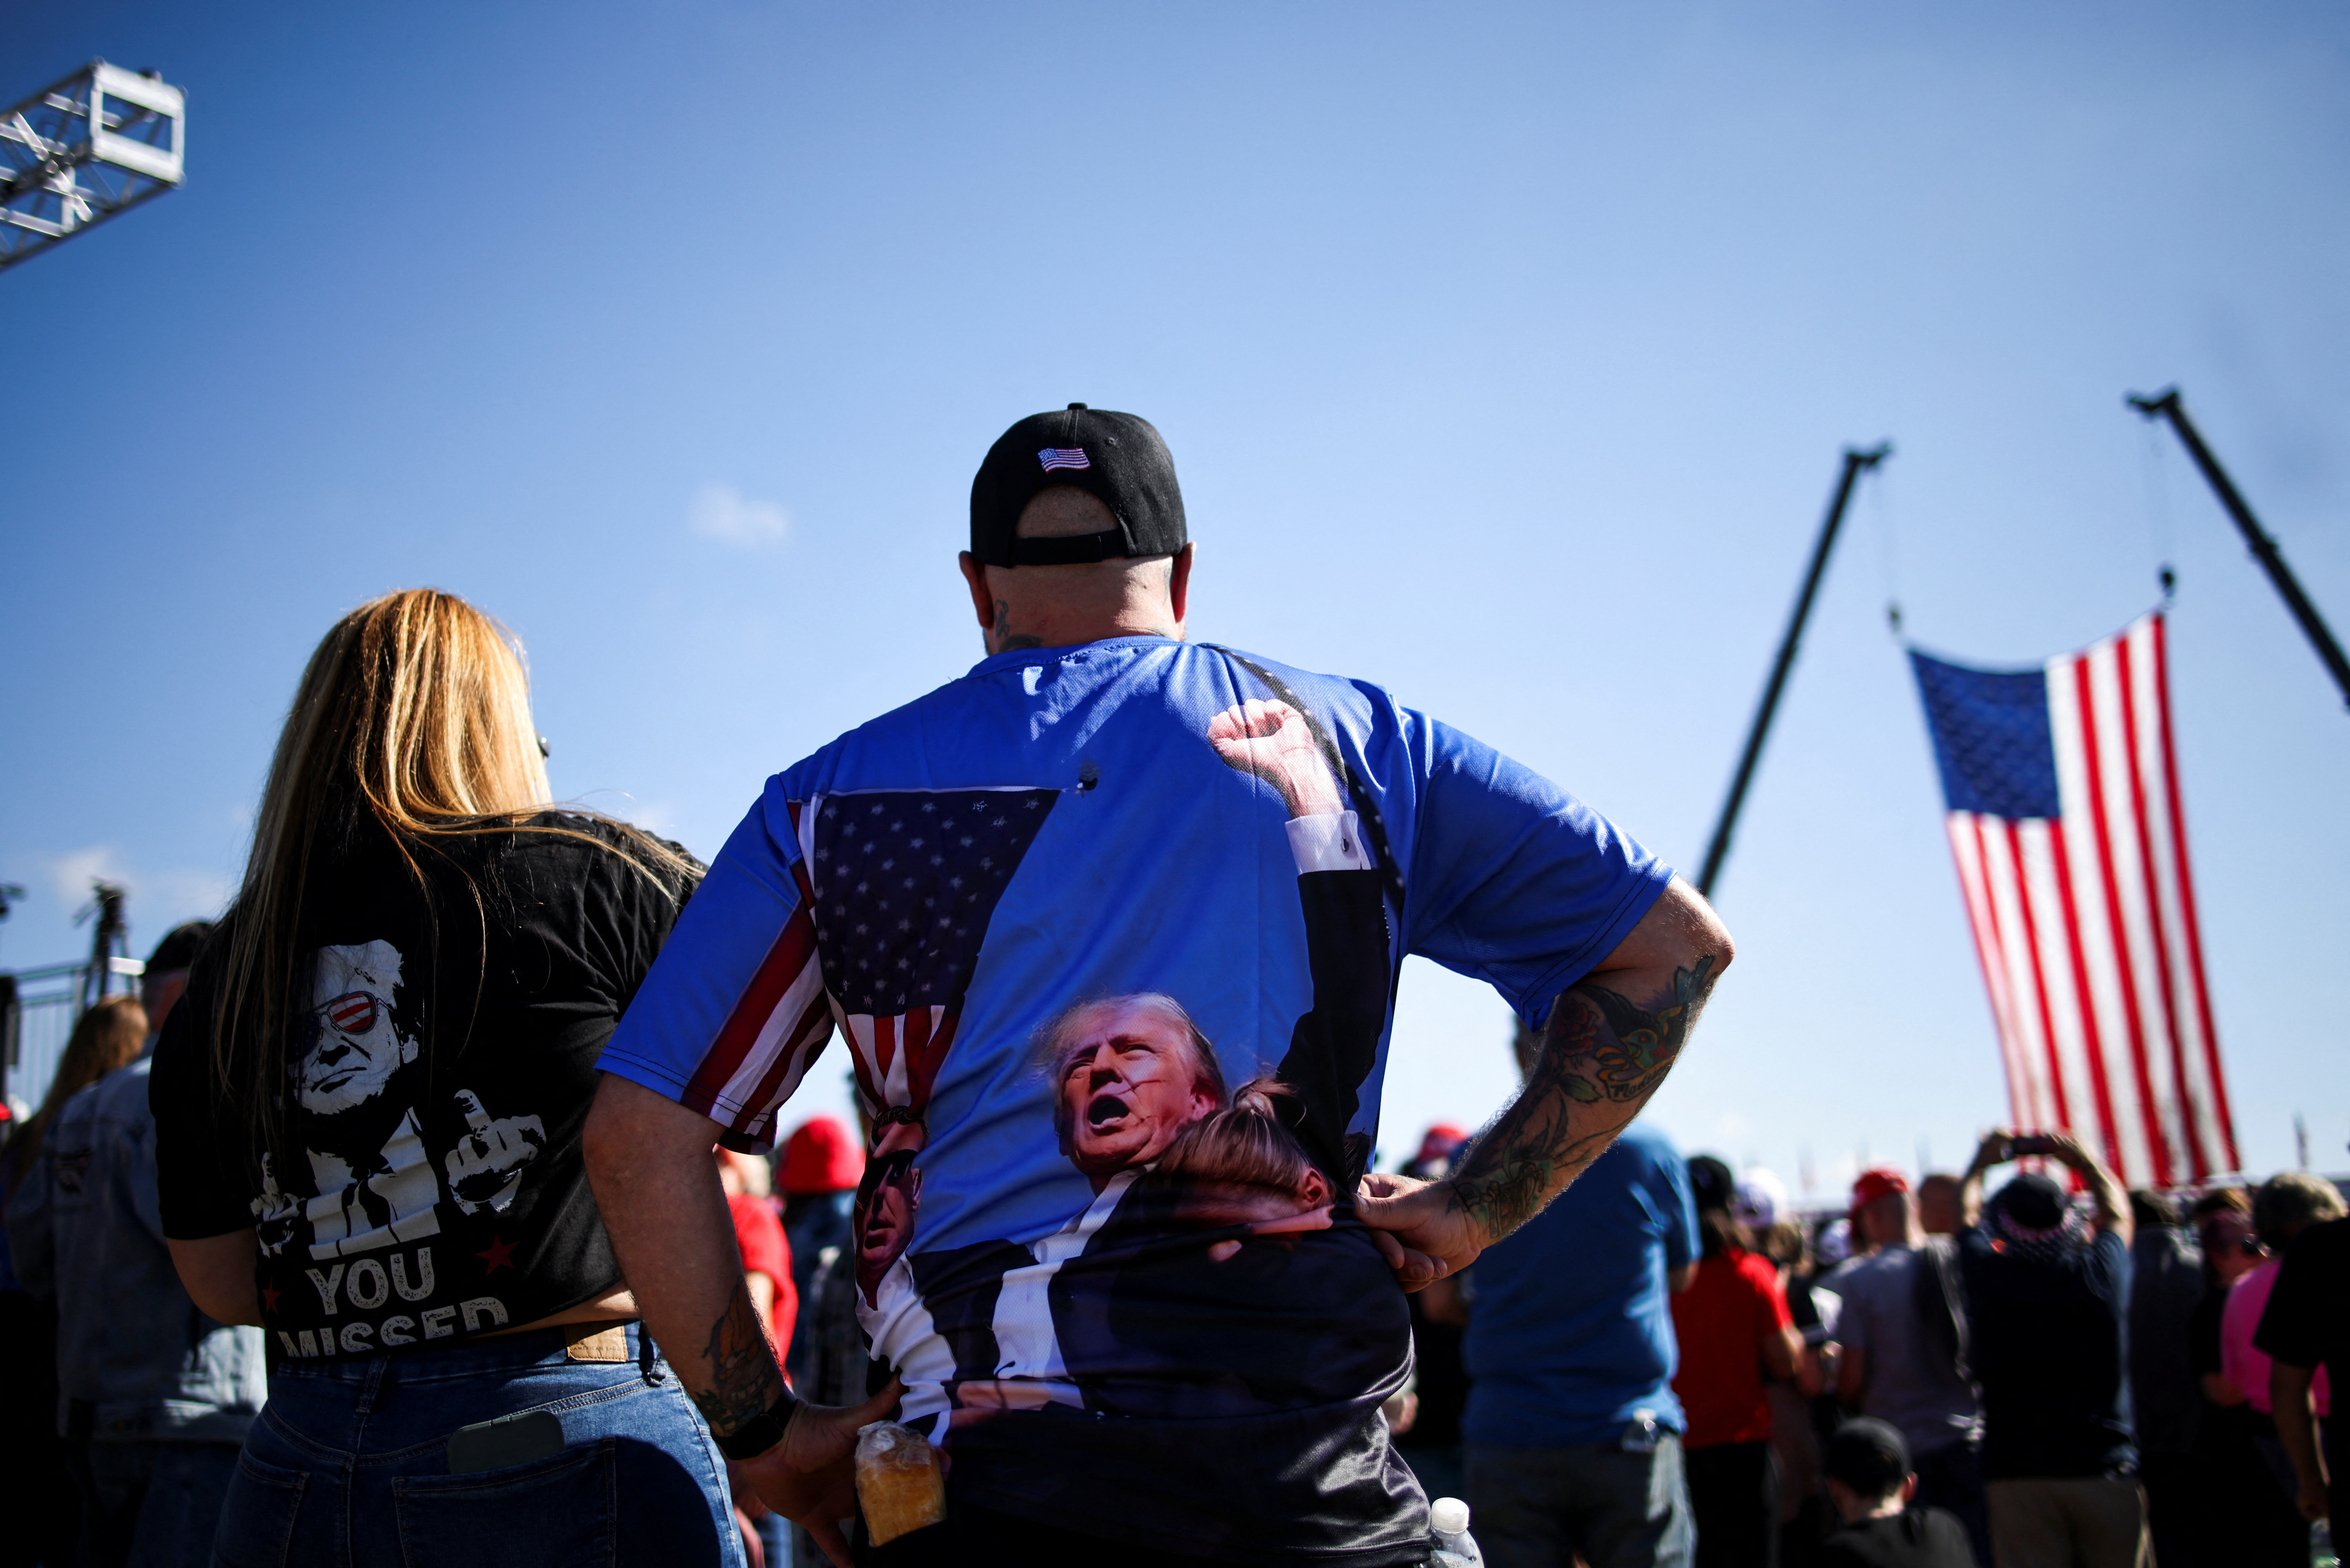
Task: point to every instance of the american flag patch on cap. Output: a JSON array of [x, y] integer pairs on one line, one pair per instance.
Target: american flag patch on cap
[[1054, 457]]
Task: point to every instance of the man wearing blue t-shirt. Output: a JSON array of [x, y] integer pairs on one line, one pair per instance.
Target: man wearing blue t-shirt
[[1110, 928], [1573, 1431]]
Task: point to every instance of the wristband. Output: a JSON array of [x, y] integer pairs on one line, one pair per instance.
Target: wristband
[[761, 1432]]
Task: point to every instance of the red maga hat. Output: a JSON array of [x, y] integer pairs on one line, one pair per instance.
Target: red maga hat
[[1882, 1183], [822, 1156], [1440, 1141]]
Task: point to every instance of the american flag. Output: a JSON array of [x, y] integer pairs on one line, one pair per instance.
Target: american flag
[[2071, 841], [896, 890], [1054, 457], [777, 1028]]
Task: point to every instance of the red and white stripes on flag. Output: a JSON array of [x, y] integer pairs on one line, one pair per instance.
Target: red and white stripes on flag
[[2071, 843], [776, 1029]]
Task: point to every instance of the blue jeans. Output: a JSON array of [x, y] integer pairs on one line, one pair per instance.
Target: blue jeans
[[348, 1465]]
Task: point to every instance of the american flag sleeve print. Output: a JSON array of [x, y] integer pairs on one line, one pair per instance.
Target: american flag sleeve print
[[733, 1012], [2065, 822]]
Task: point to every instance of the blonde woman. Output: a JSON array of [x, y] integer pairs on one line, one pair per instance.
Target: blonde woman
[[105, 1037], [368, 1113]]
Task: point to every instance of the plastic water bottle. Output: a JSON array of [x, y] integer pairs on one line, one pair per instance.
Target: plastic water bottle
[[1448, 1520], [2321, 1545]]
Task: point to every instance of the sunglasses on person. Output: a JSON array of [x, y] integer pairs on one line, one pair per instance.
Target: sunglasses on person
[[2212, 1239]]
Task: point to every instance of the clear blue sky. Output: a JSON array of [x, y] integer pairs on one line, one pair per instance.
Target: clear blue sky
[[1505, 352]]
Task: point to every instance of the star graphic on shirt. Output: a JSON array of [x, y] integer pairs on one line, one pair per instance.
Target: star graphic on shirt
[[499, 1256], [269, 1295]]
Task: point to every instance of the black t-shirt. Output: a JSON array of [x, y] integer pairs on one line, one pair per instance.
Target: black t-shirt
[[2203, 1331], [2166, 1286], [431, 1185], [1917, 1538], [2046, 1344], [1441, 1378], [2307, 1320]]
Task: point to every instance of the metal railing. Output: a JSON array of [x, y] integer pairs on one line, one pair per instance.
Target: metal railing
[[38, 1008]]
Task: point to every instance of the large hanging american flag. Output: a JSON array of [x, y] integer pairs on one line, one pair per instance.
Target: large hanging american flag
[[2071, 842]]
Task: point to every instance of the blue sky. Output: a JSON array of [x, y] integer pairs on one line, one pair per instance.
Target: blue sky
[[1506, 353]]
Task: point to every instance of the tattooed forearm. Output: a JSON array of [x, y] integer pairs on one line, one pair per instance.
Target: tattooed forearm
[[742, 1377], [1524, 1161], [1603, 1055]]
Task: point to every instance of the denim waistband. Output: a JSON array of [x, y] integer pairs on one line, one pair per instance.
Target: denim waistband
[[491, 1356]]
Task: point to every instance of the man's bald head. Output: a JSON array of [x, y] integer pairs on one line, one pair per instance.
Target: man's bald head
[[1063, 510], [1058, 607]]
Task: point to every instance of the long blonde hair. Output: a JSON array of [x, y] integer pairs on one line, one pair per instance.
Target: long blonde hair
[[411, 722], [106, 1037]]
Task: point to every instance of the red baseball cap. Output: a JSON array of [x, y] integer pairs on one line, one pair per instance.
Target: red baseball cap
[[1441, 1142], [1882, 1183], [821, 1155]]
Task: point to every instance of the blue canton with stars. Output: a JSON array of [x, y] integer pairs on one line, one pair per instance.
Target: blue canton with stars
[[905, 882], [1992, 738]]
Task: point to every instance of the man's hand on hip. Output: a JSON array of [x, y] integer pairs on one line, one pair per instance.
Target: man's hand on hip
[[1424, 1235], [1611, 1038]]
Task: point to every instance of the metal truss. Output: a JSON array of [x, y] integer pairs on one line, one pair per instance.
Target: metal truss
[[75, 154]]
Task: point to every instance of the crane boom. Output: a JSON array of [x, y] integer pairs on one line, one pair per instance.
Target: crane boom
[[2164, 405]]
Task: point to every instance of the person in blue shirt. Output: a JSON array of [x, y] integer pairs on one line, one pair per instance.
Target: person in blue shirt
[[1110, 930], [1571, 1429]]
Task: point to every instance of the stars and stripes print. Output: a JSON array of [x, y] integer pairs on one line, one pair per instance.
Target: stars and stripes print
[[777, 1028], [2065, 821], [896, 888], [905, 883], [1054, 457]]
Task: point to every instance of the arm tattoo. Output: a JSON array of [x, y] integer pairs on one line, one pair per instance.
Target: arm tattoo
[[742, 1377], [1602, 1050]]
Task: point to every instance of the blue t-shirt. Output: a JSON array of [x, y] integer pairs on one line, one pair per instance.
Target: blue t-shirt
[[1571, 1332], [1063, 910]]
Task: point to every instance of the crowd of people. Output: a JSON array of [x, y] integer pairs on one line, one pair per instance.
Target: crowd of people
[[438, 1204], [1669, 1366]]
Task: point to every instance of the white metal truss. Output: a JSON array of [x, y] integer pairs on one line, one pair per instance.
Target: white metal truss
[[75, 154]]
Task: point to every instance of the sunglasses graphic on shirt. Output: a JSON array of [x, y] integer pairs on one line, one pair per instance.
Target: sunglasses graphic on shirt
[[354, 1012]]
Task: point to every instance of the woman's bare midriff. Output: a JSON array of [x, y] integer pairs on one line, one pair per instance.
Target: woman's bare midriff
[[612, 1305]]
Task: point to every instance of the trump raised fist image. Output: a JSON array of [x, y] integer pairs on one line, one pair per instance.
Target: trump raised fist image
[[1273, 741]]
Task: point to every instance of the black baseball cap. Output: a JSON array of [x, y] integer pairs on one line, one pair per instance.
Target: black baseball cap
[[1117, 458], [2032, 1200], [1868, 1456], [1711, 1185], [178, 949]]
